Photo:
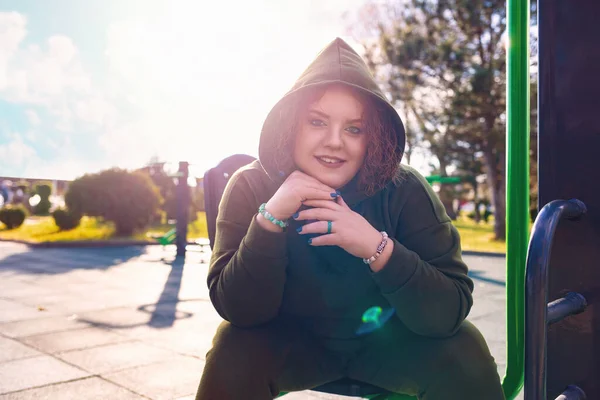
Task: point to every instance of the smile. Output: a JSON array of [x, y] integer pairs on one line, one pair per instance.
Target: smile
[[330, 162]]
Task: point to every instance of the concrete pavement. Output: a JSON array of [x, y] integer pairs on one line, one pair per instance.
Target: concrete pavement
[[132, 323]]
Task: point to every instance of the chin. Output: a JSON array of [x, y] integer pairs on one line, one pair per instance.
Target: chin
[[334, 182]]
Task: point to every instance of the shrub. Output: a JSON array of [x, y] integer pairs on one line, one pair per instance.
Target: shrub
[[66, 219], [43, 207], [13, 216], [129, 199]]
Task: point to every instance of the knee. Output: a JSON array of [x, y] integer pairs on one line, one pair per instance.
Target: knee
[[232, 344], [468, 354]]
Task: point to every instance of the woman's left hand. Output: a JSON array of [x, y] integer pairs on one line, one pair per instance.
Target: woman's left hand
[[349, 230]]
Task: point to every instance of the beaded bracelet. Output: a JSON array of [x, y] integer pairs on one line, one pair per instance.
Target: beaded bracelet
[[268, 216], [379, 249]]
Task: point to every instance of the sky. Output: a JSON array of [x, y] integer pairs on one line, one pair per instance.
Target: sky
[[89, 85]]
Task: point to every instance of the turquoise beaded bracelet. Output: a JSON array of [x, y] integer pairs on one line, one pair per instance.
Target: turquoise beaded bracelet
[[271, 218]]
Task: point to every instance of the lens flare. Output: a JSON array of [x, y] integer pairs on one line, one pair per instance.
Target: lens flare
[[373, 319]]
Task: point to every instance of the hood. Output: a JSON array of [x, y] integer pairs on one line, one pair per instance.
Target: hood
[[337, 63]]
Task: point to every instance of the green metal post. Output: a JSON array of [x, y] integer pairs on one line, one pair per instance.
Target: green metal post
[[517, 190]]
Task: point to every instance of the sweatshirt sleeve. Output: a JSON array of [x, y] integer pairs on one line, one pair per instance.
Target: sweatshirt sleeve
[[248, 265], [425, 279]]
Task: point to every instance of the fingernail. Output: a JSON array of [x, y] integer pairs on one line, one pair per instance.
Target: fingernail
[[338, 192], [295, 216], [299, 230], [309, 241], [334, 194]]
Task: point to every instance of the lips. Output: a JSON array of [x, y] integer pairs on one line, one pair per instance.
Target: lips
[[330, 160]]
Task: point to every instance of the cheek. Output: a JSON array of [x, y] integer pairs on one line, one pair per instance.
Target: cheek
[[360, 149], [301, 146]]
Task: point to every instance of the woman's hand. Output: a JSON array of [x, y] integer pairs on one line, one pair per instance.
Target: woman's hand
[[349, 230], [295, 190]]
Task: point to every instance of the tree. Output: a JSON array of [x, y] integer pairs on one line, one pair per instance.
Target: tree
[[43, 190], [129, 199], [445, 59]]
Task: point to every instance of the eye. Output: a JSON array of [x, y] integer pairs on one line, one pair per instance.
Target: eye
[[316, 122], [354, 129]]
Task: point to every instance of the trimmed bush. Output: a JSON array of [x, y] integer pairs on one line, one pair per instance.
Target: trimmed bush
[[66, 219], [13, 216], [129, 199], [43, 207]]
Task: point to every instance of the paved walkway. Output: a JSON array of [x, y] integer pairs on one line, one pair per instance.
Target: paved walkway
[[131, 323]]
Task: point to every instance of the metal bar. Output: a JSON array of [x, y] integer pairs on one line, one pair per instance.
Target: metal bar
[[183, 207], [572, 303], [536, 291], [517, 189], [572, 392]]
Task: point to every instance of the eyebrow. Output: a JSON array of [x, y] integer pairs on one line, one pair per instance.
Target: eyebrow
[[323, 115]]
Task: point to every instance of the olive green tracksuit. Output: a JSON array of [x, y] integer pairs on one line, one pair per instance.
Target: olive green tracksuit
[[293, 311]]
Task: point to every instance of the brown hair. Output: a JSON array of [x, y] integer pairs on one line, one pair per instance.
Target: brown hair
[[382, 158]]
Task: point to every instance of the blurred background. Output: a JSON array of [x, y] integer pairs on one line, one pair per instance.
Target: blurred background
[[116, 88]]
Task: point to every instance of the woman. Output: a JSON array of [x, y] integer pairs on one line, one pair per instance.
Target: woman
[[324, 227]]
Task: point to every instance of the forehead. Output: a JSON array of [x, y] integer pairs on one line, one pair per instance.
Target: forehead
[[339, 100]]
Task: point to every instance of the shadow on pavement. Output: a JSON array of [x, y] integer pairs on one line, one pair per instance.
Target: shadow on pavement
[[58, 261], [479, 275]]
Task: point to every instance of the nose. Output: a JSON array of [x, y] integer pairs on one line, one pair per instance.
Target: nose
[[333, 137]]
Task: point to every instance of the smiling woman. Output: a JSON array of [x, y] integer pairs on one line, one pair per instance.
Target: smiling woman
[[302, 249]]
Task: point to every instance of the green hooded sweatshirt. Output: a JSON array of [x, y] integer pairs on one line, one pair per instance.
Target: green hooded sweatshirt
[[257, 275]]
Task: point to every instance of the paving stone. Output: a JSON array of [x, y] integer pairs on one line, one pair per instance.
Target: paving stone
[[116, 318], [12, 350], [35, 371], [115, 357], [96, 285], [19, 312], [73, 340], [163, 380], [41, 325], [89, 389]]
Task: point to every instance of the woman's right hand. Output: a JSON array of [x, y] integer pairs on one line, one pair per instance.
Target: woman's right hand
[[298, 187]]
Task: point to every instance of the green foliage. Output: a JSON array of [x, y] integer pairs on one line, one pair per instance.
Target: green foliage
[[129, 199], [168, 191], [43, 190], [443, 62], [13, 216], [66, 219], [166, 185]]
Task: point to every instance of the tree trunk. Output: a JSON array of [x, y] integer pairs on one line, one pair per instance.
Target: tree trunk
[[496, 185], [476, 200]]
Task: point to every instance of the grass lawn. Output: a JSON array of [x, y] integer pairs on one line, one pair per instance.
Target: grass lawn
[[475, 237], [43, 229], [478, 237]]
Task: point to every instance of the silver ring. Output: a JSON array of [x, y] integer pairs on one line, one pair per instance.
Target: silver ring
[[329, 223]]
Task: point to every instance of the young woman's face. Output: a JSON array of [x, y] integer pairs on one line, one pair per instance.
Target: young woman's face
[[330, 143]]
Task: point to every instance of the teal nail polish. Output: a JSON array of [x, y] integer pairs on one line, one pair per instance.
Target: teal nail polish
[[338, 192], [334, 195], [309, 241], [299, 230], [295, 216]]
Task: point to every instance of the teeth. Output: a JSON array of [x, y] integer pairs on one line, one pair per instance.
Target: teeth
[[329, 160]]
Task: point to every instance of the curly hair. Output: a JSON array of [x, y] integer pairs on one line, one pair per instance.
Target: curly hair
[[382, 158]]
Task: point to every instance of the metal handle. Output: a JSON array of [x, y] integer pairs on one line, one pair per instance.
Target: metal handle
[[572, 303], [536, 291], [572, 392]]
